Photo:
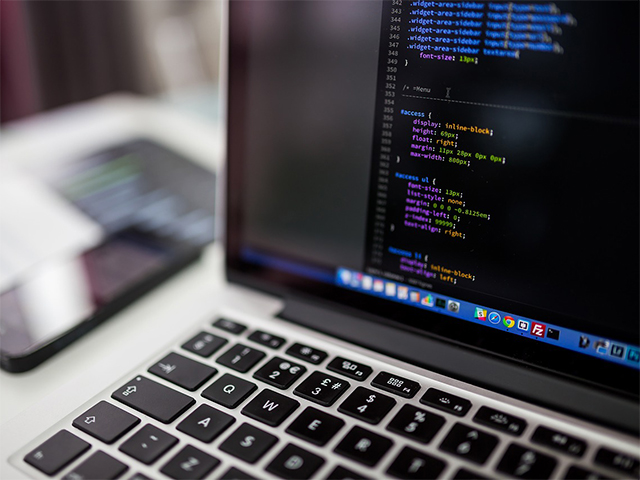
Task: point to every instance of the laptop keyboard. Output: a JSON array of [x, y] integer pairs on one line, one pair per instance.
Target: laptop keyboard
[[237, 402]]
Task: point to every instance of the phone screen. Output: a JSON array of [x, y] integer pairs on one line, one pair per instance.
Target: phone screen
[[128, 217]]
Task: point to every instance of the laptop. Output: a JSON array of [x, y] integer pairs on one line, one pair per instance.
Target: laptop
[[431, 254]]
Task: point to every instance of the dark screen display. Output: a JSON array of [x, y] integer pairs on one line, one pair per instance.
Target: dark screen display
[[476, 150], [504, 165]]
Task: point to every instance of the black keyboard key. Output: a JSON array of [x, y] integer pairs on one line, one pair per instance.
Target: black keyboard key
[[105, 422], [367, 405], [446, 402], [98, 465], [205, 423], [229, 326], [280, 373], [579, 473], [294, 462], [416, 424], [266, 339], [559, 441], [619, 461], [190, 463], [341, 473], [148, 444], [505, 422], [236, 474], [309, 354], [469, 443], [182, 371], [204, 344], [159, 402], [349, 368], [270, 407], [464, 474], [363, 446], [522, 462], [321, 388], [248, 443], [315, 426], [229, 391], [393, 383], [56, 452], [412, 464], [241, 358]]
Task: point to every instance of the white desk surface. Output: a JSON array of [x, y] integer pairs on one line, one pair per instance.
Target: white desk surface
[[71, 133]]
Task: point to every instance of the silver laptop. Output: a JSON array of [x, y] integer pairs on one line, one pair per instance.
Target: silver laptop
[[436, 203]]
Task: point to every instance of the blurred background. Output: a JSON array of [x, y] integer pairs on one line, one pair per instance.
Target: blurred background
[[110, 138], [57, 52]]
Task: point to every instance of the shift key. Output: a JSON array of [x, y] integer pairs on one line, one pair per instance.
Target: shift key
[[159, 402]]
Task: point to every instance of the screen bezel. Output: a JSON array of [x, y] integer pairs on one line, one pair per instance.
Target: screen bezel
[[529, 354]]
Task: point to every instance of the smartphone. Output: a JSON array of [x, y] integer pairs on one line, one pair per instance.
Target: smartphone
[[131, 216]]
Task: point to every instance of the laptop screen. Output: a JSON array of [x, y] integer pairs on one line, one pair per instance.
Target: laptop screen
[[467, 170]]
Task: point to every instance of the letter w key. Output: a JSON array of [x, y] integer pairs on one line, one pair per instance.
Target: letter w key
[[270, 407]]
